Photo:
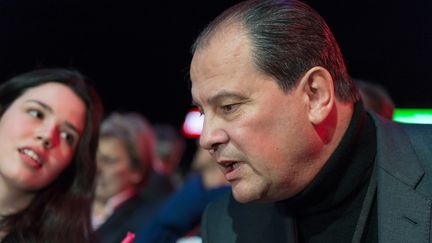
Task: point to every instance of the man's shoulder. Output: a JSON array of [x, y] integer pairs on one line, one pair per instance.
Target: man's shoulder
[[402, 137], [413, 130], [220, 203], [226, 220], [418, 131], [420, 136], [404, 151]]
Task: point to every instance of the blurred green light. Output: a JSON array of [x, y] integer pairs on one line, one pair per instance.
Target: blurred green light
[[413, 115]]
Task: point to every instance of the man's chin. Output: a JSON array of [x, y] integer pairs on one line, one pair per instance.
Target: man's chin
[[242, 197], [248, 194]]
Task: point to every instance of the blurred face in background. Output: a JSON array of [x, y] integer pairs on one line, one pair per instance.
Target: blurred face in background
[[114, 169], [206, 166]]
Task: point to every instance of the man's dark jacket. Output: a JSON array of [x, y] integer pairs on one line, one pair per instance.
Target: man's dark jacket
[[404, 194]]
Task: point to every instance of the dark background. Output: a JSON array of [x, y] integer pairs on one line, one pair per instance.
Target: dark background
[[137, 52]]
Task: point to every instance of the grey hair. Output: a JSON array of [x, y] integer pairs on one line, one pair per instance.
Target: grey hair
[[287, 39], [138, 136]]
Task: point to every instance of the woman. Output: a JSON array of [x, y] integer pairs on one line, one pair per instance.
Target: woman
[[49, 122]]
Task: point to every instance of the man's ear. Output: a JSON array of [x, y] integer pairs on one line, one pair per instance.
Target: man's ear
[[317, 84]]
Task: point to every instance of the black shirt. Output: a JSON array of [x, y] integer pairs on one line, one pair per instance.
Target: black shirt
[[327, 210]]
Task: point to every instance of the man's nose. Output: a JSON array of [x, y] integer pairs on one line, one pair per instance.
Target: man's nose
[[212, 135]]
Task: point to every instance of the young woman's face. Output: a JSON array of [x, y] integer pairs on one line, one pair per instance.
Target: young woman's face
[[39, 133]]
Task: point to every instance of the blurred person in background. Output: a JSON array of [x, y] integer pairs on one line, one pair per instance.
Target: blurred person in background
[[169, 149], [375, 98], [124, 161], [205, 166], [180, 215]]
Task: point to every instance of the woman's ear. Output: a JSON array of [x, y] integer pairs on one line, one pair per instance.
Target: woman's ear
[[317, 84]]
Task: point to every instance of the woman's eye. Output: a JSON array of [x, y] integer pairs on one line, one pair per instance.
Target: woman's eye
[[69, 138], [35, 113]]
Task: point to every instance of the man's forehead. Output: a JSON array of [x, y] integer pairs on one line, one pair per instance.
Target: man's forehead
[[226, 41]]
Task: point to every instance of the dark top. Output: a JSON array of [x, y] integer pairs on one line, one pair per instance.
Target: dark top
[[327, 210], [127, 217], [402, 213], [180, 213]]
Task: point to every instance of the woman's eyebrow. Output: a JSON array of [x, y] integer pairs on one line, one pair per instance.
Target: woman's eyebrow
[[49, 109], [44, 106]]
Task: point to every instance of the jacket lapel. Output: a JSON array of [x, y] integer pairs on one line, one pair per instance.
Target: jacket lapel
[[403, 213]]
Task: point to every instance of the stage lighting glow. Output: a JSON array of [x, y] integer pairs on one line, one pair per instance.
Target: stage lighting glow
[[193, 124], [413, 115]]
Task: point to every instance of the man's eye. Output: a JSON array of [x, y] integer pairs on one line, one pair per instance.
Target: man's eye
[[35, 113], [69, 138], [229, 108]]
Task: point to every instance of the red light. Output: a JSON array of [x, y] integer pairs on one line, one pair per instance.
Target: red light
[[193, 124]]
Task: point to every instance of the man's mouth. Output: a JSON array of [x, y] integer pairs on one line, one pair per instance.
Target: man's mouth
[[229, 168]]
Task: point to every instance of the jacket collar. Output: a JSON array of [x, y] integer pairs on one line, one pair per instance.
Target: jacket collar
[[396, 154], [403, 213]]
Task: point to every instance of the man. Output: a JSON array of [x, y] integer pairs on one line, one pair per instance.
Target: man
[[286, 126], [124, 161]]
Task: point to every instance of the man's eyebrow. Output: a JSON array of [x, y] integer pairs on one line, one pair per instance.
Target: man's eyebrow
[[50, 110], [224, 94], [217, 98]]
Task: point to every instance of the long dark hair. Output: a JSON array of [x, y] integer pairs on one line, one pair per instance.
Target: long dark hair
[[61, 211]]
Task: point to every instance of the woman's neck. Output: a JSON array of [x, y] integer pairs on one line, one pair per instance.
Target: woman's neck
[[13, 200]]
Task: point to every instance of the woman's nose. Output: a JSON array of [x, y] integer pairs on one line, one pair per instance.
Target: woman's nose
[[48, 136]]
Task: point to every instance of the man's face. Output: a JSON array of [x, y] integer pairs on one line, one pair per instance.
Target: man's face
[[257, 133]]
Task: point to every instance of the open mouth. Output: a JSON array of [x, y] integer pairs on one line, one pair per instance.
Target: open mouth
[[31, 154], [232, 166], [229, 166]]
